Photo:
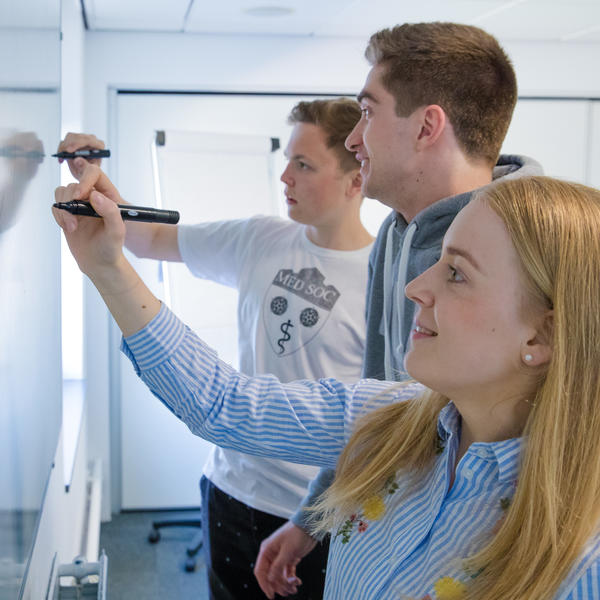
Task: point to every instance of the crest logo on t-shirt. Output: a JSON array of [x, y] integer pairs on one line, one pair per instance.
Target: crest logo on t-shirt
[[296, 306]]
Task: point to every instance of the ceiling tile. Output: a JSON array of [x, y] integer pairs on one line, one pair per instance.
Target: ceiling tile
[[545, 20], [231, 17], [136, 15], [367, 16], [507, 19]]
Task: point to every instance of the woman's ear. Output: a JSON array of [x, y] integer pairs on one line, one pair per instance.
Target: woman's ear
[[537, 350]]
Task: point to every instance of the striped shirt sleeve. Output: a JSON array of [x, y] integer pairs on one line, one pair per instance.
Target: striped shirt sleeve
[[305, 421]]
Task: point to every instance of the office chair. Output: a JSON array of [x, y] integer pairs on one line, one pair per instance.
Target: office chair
[[193, 547]]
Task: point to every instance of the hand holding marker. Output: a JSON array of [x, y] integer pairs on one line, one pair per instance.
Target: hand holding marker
[[128, 211]]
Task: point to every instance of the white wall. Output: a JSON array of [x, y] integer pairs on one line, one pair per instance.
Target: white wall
[[304, 64], [556, 69], [72, 65], [258, 63]]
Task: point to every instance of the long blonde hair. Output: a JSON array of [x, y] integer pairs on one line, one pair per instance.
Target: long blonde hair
[[555, 228]]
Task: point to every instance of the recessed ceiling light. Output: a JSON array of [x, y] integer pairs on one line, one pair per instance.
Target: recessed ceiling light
[[269, 11]]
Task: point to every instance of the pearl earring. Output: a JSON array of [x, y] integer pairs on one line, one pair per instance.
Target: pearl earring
[[528, 358]]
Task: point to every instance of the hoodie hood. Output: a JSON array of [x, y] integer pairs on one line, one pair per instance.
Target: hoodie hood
[[433, 221]]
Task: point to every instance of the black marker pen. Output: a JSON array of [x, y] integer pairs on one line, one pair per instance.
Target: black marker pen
[[128, 212], [84, 153]]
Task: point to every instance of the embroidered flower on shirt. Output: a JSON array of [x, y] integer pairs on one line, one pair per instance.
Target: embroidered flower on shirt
[[448, 588], [372, 510], [439, 445], [391, 487], [346, 529], [504, 505]]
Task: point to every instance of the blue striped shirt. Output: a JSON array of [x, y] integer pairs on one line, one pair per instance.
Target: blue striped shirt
[[406, 543]]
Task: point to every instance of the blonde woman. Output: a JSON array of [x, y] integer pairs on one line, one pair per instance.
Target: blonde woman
[[480, 482]]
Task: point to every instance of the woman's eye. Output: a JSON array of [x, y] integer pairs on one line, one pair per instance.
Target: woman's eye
[[454, 275], [302, 165]]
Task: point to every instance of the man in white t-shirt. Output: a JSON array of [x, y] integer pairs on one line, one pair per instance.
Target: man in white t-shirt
[[301, 315]]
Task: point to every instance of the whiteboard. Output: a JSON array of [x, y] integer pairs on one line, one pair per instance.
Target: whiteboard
[[211, 177], [30, 315]]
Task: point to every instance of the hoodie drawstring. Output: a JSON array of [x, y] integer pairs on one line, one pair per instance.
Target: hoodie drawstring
[[393, 293]]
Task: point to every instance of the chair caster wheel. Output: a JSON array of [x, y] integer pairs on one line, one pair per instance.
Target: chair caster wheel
[[190, 565]]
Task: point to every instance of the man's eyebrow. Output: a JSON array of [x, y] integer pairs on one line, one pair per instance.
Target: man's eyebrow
[[364, 94], [295, 156], [452, 251]]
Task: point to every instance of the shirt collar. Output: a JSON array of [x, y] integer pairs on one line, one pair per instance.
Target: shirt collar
[[506, 452]]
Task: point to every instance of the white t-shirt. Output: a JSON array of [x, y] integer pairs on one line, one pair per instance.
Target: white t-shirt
[[301, 315]]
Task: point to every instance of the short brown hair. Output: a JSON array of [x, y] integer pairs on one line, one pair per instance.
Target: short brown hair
[[337, 118], [461, 68]]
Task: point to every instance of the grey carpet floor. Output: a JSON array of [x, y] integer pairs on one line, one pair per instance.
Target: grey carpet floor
[[139, 570]]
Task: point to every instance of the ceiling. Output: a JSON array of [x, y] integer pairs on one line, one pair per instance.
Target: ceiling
[[551, 20]]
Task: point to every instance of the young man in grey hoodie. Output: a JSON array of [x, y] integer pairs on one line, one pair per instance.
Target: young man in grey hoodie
[[436, 107]]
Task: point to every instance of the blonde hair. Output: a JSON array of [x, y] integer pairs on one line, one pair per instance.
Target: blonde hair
[[555, 228]]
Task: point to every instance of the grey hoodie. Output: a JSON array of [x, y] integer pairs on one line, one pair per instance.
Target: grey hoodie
[[414, 247], [400, 253]]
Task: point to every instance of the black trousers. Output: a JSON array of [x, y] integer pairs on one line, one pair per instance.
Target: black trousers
[[233, 532]]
